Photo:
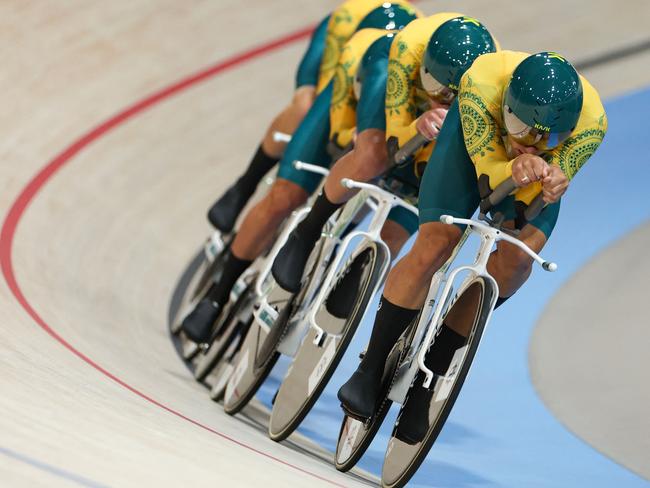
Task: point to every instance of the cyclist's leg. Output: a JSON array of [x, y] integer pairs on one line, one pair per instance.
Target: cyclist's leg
[[292, 187], [259, 227], [225, 211], [508, 265], [448, 187], [368, 160], [395, 236]]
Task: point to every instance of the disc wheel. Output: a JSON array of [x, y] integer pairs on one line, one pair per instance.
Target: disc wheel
[[229, 330], [315, 364], [403, 459], [246, 377], [355, 436], [205, 275]]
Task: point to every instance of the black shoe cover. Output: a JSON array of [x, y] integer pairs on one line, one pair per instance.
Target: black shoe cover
[[223, 214], [344, 295], [290, 263], [199, 322], [359, 395], [414, 421]]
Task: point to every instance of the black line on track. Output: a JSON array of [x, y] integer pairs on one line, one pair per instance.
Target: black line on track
[[612, 56]]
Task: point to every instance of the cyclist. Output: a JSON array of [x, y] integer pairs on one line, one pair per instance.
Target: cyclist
[[423, 71], [314, 73], [224, 212], [292, 187], [532, 117]]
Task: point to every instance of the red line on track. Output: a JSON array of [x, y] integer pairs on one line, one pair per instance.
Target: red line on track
[[32, 189]]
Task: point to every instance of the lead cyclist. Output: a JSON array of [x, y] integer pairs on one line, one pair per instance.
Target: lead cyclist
[[532, 117]]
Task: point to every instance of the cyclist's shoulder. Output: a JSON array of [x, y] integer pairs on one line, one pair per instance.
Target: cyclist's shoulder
[[419, 31], [593, 112], [485, 81]]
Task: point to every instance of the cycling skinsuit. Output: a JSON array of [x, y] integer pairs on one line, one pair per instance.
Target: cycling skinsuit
[[472, 146]]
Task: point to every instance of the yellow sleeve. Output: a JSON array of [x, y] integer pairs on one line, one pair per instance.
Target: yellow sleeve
[[482, 134], [343, 106], [401, 89]]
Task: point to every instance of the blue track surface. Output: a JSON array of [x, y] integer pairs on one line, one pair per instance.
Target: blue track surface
[[499, 433]]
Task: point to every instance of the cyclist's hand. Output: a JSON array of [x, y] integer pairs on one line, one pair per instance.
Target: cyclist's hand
[[430, 122], [528, 168], [554, 185]]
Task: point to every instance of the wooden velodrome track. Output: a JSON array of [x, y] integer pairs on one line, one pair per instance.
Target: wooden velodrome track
[[103, 212]]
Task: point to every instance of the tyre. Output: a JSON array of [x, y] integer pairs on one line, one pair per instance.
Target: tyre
[[403, 459], [315, 364]]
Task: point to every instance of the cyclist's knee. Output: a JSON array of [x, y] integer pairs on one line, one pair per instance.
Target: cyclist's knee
[[303, 99], [395, 236], [283, 198], [512, 261], [434, 245], [371, 157]]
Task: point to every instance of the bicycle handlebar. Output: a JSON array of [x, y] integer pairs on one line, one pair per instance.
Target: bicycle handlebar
[[281, 137], [409, 148], [546, 265], [502, 191], [312, 168], [375, 190]]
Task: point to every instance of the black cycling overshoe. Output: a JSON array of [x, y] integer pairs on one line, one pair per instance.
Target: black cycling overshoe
[[290, 263], [413, 422], [223, 214], [359, 395], [341, 300], [198, 324]]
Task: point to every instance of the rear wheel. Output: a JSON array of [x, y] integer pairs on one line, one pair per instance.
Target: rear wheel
[[315, 364], [403, 459]]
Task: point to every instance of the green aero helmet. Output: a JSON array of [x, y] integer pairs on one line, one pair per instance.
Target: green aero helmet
[[389, 16], [452, 49], [378, 50], [543, 101]]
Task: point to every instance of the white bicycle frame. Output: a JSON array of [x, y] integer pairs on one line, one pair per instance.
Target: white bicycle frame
[[265, 314], [430, 318], [384, 202]]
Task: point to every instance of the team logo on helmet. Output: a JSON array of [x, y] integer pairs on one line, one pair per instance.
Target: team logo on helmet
[[471, 20], [554, 55]]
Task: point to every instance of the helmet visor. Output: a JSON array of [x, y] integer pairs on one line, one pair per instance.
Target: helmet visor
[[436, 90], [526, 135]]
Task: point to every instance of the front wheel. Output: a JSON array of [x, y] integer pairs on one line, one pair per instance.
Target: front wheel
[[402, 459], [204, 273], [315, 364], [355, 436], [249, 372], [230, 330]]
